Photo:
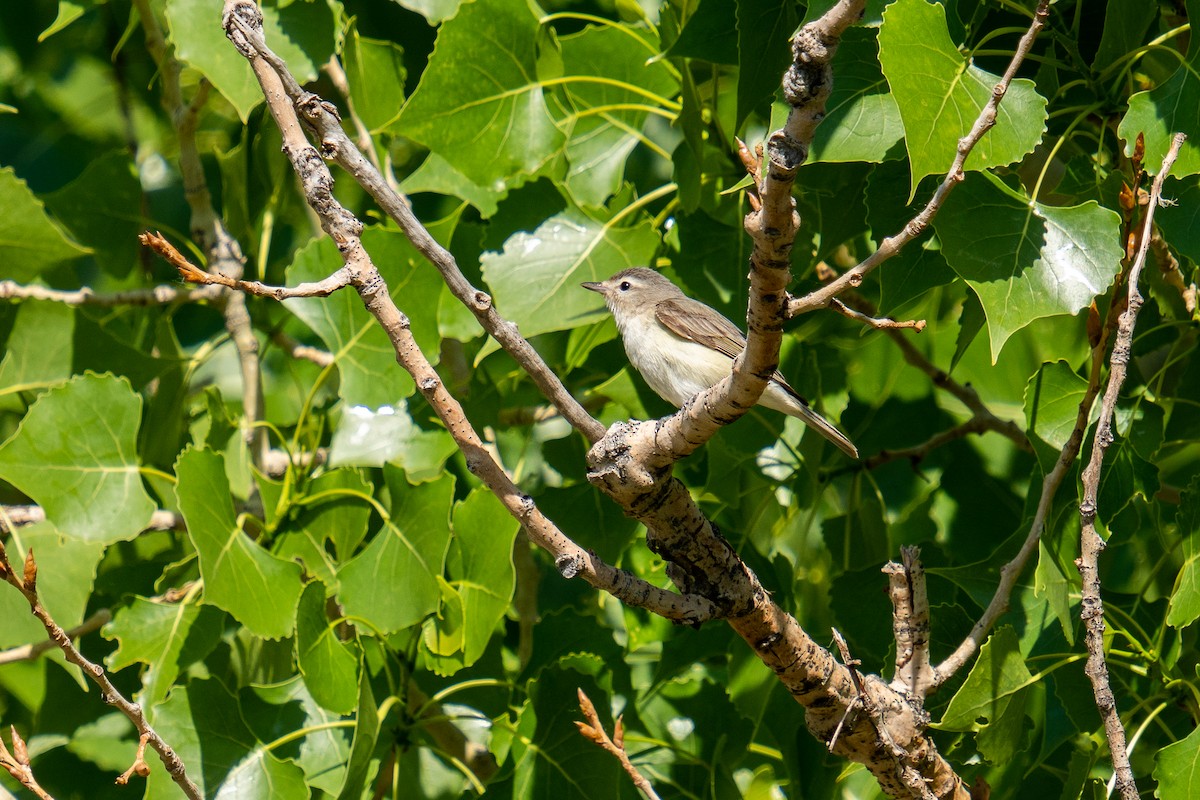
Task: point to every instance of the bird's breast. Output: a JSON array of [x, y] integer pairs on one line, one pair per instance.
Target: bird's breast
[[674, 367]]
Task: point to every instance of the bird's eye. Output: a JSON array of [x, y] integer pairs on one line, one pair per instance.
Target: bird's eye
[[624, 287]]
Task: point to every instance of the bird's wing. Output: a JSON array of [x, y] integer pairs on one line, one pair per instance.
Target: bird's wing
[[690, 319]]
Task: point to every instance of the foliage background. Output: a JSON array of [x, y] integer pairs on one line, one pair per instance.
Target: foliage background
[[537, 176]]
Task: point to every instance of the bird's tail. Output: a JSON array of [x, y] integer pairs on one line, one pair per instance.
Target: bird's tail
[[824, 427]]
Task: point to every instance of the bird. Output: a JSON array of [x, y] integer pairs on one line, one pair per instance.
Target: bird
[[681, 346]]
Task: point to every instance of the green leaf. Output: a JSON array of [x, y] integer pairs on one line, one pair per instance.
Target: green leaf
[[166, 637], [603, 121], [434, 11], [303, 34], [480, 566], [1125, 25], [259, 589], [204, 725], [328, 665], [30, 243], [764, 53], [494, 126], [536, 279], [39, 350], [364, 355], [1038, 261], [375, 72], [393, 582], [1052, 399], [550, 758], [1177, 769], [66, 575], [862, 121], [68, 12], [366, 731], [75, 454], [992, 700], [1170, 107], [706, 34], [366, 438], [438, 175], [102, 209], [940, 94]]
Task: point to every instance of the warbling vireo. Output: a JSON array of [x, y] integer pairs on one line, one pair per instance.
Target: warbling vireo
[[682, 347]]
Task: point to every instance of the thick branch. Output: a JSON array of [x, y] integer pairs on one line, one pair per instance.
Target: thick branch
[[1090, 542], [910, 622], [26, 584], [917, 225]]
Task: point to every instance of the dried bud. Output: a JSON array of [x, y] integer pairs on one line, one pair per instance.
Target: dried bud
[[20, 753], [1139, 152], [1126, 199], [1093, 325], [619, 733], [30, 572]]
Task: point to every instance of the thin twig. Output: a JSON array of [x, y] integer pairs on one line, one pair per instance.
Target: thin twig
[[160, 520], [593, 731], [879, 323], [156, 296], [193, 274], [18, 765], [1090, 542], [918, 224], [28, 652], [26, 584]]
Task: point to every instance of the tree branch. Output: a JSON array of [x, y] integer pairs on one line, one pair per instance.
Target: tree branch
[[917, 225], [223, 252], [1090, 542], [243, 25], [322, 118], [593, 731], [157, 296], [26, 584], [910, 622], [28, 652], [17, 765]]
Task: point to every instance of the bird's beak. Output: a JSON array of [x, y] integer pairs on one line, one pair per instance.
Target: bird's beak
[[593, 286]]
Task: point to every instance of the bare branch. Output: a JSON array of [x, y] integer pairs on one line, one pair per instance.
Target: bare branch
[[917, 225], [323, 119], [27, 586], [28, 652], [593, 731], [18, 765], [223, 252], [193, 274], [156, 296], [917, 325], [1090, 542], [28, 515], [243, 25], [322, 358]]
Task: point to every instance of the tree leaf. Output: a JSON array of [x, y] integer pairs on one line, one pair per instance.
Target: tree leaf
[[393, 582], [366, 438], [75, 454], [259, 589], [102, 209], [30, 243], [764, 53], [992, 700], [1171, 106], [1177, 768], [536, 279], [166, 637], [862, 121], [204, 724], [940, 94], [329, 666], [1039, 260], [604, 121], [494, 126], [302, 34], [481, 567], [39, 350], [366, 731], [1052, 399], [375, 71]]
